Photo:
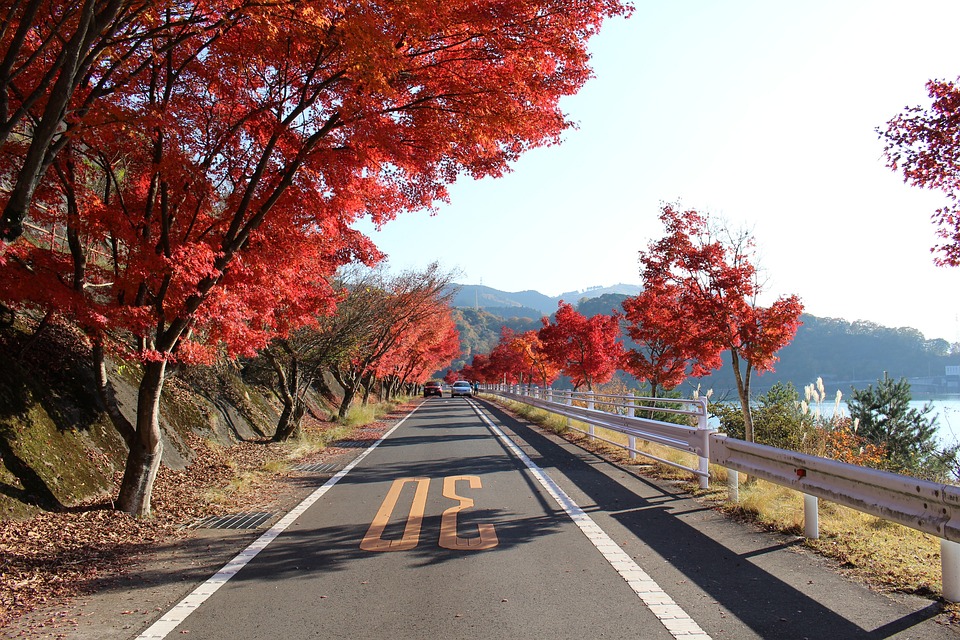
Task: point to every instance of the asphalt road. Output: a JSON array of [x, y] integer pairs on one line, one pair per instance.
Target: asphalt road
[[464, 523]]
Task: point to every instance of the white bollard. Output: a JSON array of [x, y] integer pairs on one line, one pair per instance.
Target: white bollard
[[703, 429], [950, 568], [590, 405], [811, 518], [733, 485]]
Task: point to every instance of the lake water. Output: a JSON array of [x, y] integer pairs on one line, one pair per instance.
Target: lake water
[[945, 408]]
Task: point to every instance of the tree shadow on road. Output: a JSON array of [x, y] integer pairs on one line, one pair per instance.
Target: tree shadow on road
[[733, 565]]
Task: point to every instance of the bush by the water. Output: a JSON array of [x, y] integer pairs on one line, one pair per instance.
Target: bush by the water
[[881, 431]]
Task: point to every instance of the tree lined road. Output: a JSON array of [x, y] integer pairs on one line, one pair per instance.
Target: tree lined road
[[444, 531]]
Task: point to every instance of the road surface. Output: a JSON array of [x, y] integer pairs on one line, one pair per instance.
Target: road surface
[[465, 523]]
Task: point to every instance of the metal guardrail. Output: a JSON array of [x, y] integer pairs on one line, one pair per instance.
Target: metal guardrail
[[929, 507], [690, 439]]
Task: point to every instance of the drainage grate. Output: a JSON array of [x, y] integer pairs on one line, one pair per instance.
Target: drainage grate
[[352, 444], [371, 430], [249, 520], [319, 467]]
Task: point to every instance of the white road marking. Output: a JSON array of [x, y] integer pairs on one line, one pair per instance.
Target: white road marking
[[674, 618], [175, 616]]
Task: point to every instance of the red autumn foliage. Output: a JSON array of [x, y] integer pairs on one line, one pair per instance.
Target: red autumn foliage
[[843, 444], [478, 369], [207, 187], [673, 341], [713, 269], [506, 362], [422, 348], [587, 350], [922, 143]]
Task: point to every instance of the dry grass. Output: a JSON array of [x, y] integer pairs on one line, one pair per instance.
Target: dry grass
[[359, 415], [886, 555], [312, 440]]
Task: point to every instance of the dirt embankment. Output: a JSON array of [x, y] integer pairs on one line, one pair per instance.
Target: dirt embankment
[[61, 460]]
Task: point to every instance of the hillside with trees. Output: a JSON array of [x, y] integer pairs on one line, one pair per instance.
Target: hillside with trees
[[849, 354], [843, 353], [531, 304]]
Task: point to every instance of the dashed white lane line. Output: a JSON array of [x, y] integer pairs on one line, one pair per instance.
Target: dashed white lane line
[[173, 618], [670, 614]]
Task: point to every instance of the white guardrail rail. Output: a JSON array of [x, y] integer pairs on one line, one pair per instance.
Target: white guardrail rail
[[926, 506], [618, 413]]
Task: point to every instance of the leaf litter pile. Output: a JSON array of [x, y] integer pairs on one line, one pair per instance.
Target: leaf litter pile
[[54, 556]]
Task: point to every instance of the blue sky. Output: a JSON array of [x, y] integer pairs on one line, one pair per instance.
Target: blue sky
[[763, 113]]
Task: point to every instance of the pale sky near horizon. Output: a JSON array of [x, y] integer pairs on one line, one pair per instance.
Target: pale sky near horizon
[[764, 113]]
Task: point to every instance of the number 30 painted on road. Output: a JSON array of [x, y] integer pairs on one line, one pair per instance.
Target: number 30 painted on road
[[373, 541]]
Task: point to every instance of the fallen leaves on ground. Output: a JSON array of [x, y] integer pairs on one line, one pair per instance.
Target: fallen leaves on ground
[[54, 556]]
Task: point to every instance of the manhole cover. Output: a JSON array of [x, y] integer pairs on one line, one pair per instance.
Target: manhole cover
[[249, 520]]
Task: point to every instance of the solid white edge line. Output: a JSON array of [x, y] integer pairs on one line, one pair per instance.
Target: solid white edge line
[[175, 616], [668, 612]]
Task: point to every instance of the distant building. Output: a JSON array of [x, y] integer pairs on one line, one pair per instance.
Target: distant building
[[952, 375]]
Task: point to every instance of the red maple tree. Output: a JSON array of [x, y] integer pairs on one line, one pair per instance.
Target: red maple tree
[[922, 143], [672, 341], [537, 361], [712, 267], [587, 350], [507, 362], [478, 370], [422, 348], [57, 59], [262, 136]]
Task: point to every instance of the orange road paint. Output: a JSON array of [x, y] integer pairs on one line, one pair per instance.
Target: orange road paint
[[448, 523], [411, 532]]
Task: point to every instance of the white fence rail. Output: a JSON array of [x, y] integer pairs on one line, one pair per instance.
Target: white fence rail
[[619, 413], [926, 506]]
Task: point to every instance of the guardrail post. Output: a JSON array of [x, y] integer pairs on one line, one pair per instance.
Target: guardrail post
[[549, 394], [590, 405], [733, 485], [950, 568], [704, 430], [811, 517], [632, 440], [569, 403]]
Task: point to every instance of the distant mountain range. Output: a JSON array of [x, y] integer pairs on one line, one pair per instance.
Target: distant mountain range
[[845, 354], [529, 304]]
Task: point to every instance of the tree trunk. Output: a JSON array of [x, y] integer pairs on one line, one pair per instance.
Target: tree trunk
[[743, 390], [289, 421], [348, 393], [288, 392], [146, 450], [367, 383], [284, 423]]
